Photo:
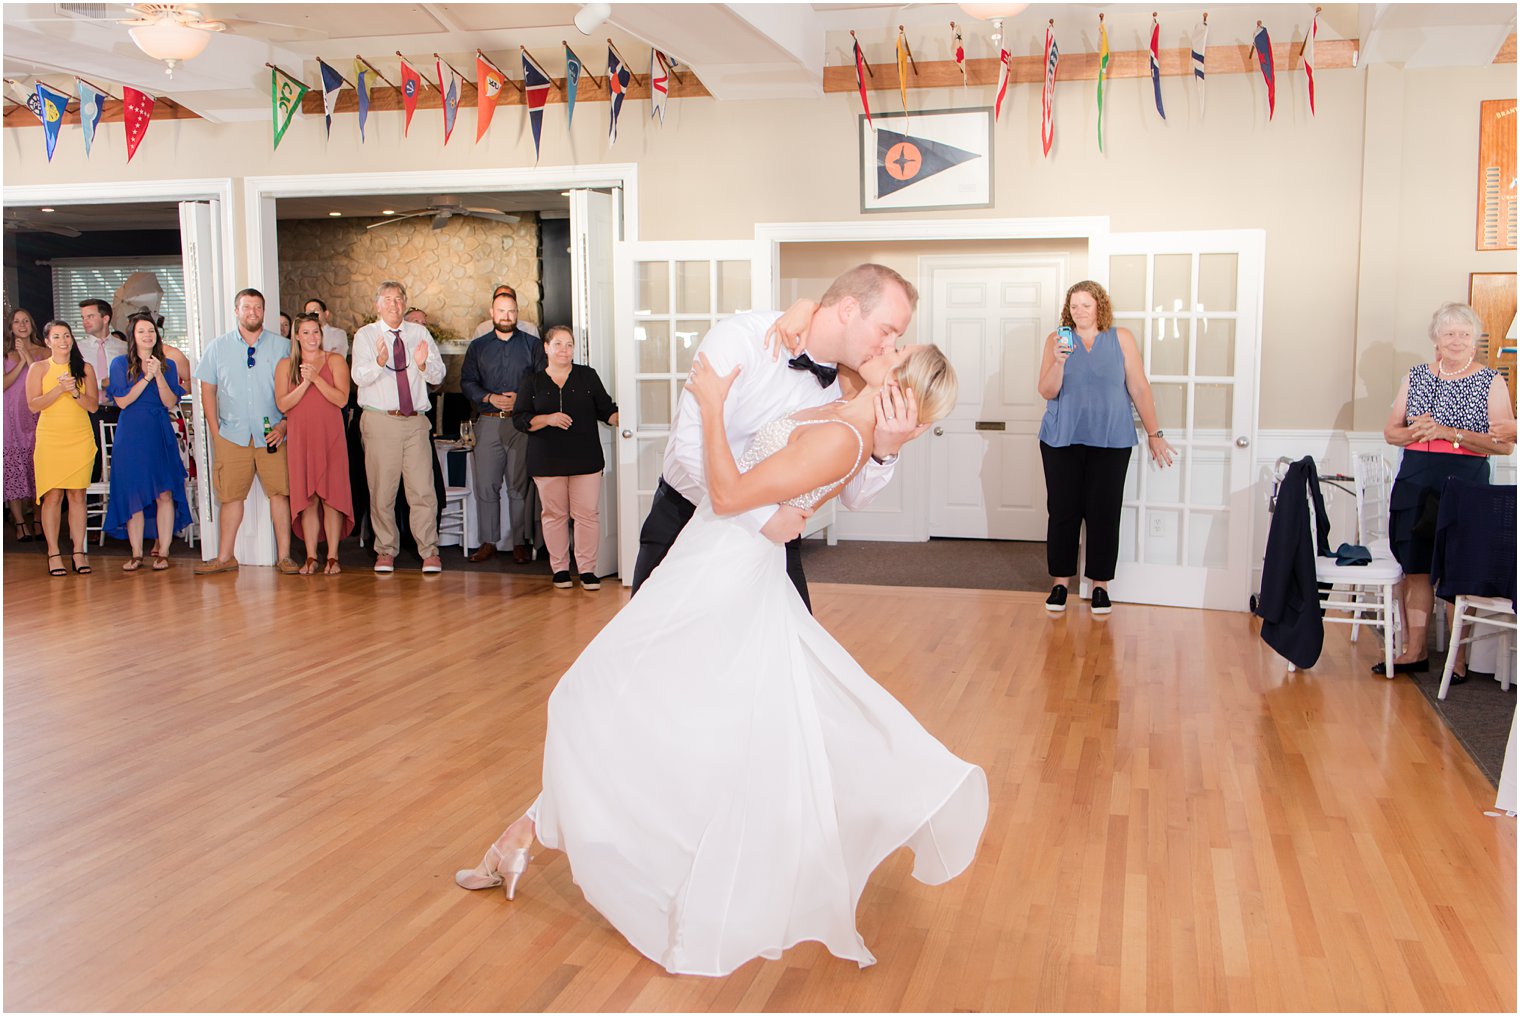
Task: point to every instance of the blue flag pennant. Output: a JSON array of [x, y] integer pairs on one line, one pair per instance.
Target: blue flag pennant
[[903, 160], [536, 87], [619, 77], [53, 104], [332, 81], [92, 104], [572, 83], [363, 89]]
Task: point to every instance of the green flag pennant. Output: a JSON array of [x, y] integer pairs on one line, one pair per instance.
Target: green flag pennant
[[285, 95]]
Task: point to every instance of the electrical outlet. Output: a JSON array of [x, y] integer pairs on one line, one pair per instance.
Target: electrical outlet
[[1158, 525]]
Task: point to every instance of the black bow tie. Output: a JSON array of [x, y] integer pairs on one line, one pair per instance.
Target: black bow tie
[[825, 375]]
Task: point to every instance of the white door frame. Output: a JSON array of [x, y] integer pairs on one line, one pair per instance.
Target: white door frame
[[218, 189], [260, 193]]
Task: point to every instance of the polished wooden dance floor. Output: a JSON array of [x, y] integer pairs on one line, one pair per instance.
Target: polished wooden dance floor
[[252, 792]]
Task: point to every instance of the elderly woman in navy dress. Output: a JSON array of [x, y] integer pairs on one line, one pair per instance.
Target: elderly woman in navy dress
[[146, 470], [1449, 416]]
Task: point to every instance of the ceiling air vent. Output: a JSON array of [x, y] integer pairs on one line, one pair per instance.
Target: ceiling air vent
[[90, 12]]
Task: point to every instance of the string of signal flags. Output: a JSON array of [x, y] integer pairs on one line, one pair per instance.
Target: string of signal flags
[[443, 85], [1196, 61]]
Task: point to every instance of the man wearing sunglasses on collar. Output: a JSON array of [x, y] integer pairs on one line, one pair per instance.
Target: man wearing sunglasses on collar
[[247, 429]]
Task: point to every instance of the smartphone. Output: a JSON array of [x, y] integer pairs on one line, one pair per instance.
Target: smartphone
[[1066, 337]]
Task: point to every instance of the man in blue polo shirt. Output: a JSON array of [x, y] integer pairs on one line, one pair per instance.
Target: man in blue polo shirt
[[247, 429]]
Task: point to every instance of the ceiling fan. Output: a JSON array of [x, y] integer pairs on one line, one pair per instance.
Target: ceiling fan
[[15, 223], [444, 208], [172, 33]]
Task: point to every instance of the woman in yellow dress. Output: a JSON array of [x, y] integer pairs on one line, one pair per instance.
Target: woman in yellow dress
[[63, 391]]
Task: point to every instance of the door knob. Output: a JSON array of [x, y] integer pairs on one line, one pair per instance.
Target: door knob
[[627, 433], [939, 432], [1242, 442]]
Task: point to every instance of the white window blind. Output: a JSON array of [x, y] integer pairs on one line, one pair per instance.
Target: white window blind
[[76, 279]]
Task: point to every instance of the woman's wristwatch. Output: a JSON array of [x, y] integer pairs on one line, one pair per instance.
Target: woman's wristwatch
[[1159, 433]]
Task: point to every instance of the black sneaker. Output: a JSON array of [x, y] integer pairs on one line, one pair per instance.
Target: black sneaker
[[1056, 601], [561, 580], [590, 581], [1100, 601]]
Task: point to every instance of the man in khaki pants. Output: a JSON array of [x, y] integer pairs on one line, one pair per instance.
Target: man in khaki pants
[[393, 363]]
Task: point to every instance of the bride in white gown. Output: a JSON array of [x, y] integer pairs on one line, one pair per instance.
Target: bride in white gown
[[722, 775]]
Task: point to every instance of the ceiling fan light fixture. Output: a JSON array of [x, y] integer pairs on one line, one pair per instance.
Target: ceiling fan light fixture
[[993, 12], [590, 17], [170, 41], [47, 209]]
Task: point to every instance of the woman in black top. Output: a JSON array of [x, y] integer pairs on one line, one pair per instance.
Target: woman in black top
[[558, 408]]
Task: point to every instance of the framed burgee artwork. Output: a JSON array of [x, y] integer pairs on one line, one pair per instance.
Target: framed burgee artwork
[[932, 159]]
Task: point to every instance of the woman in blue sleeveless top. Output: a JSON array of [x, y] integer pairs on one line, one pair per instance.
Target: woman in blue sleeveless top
[[1449, 416], [1086, 437]]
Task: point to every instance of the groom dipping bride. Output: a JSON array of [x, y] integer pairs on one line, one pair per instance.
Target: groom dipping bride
[[721, 773]]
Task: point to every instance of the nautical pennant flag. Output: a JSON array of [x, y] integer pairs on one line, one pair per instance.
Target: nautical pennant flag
[[659, 85], [1156, 65], [448, 88], [411, 87], [1102, 73], [1200, 47], [54, 104], [958, 47], [361, 69], [137, 111], [92, 103], [860, 82], [285, 95], [332, 81], [1263, 44], [536, 84], [903, 160], [618, 79], [997, 109], [489, 81], [1052, 58], [1308, 59], [35, 105], [572, 83], [902, 66]]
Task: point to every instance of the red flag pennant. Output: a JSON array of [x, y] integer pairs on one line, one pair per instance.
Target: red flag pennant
[[136, 112], [411, 85], [860, 81]]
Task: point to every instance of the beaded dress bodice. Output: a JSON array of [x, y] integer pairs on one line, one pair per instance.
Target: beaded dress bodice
[[773, 436]]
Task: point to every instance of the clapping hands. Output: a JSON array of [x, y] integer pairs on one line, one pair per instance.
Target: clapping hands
[[309, 372], [420, 355]]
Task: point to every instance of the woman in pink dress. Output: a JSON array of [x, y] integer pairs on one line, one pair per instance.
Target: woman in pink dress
[[23, 347], [311, 389]]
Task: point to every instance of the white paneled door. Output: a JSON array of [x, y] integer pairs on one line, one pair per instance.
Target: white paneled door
[[1193, 301], [206, 307], [667, 296], [593, 227], [990, 316]]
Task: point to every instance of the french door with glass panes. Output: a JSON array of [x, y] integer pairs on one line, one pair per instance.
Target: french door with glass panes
[[668, 295], [1193, 302]]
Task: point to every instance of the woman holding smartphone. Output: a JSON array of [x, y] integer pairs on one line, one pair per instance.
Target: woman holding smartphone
[[1090, 375]]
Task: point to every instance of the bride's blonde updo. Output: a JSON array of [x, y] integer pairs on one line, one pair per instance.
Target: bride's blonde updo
[[927, 371]]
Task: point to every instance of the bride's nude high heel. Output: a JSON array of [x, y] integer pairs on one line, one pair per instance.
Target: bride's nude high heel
[[496, 869]]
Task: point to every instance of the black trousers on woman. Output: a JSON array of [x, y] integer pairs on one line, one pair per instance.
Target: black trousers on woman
[[668, 515], [1083, 484]]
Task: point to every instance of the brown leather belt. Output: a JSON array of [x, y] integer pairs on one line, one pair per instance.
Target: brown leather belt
[[502, 415], [391, 412]]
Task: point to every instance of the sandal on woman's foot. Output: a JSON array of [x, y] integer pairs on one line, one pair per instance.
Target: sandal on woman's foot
[[309, 567], [78, 570], [60, 571], [160, 561], [133, 564], [23, 535], [333, 568]]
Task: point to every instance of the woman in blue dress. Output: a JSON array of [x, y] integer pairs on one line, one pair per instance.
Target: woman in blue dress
[[145, 465]]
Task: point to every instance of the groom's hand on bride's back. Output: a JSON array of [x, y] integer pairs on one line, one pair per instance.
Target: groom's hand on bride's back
[[787, 524]]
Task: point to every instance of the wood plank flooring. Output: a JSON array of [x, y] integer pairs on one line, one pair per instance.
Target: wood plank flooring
[[251, 792]]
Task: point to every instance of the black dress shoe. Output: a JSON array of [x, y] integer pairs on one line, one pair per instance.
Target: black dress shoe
[[1412, 667]]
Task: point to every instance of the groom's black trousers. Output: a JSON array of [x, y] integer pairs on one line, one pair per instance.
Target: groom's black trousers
[[668, 515]]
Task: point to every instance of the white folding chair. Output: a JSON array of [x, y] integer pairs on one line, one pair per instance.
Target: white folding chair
[[1365, 592], [1474, 611], [457, 505], [98, 493]]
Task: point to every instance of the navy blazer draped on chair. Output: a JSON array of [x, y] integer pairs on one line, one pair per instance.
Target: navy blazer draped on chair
[[1292, 618]]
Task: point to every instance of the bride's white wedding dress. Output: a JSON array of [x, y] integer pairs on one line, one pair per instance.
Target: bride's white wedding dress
[[722, 774]]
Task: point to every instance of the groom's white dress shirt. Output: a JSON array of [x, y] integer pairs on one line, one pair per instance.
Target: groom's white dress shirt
[[765, 390]]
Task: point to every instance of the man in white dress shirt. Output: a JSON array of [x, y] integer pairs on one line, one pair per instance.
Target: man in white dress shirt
[[863, 314], [334, 340], [99, 347], [393, 363]]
